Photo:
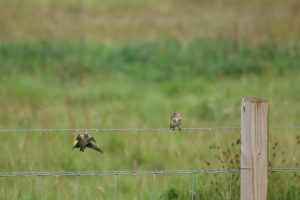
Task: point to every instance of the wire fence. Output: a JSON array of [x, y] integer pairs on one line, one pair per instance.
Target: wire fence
[[154, 173], [139, 173], [115, 173], [133, 130], [126, 130]]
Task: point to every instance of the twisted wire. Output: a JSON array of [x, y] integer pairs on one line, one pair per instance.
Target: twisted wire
[[135, 130], [115, 173], [138, 173], [105, 130]]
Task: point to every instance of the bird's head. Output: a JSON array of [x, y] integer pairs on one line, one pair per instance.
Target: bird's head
[[85, 134], [176, 117], [176, 114]]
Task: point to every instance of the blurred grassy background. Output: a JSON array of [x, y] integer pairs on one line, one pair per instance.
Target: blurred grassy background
[[88, 64]]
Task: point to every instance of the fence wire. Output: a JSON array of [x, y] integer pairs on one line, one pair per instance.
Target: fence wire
[[105, 130], [115, 191], [193, 185], [77, 174], [137, 173], [153, 187], [115, 173], [284, 170], [133, 130], [76, 195]]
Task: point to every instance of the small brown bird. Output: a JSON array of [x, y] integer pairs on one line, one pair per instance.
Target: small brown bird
[[175, 121], [86, 140]]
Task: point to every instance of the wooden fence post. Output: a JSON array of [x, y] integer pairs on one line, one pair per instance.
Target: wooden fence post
[[254, 149]]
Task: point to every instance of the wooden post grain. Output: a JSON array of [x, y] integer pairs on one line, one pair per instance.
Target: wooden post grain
[[254, 149]]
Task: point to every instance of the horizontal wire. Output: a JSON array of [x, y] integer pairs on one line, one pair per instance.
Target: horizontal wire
[[114, 173], [284, 170], [104, 130], [137, 173], [47, 130]]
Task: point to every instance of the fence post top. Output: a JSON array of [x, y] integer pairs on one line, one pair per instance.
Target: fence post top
[[254, 99]]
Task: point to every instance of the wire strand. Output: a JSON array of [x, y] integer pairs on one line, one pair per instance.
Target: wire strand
[[38, 187], [137, 173], [134, 130], [114, 173], [105, 130], [284, 170], [115, 189], [230, 189], [76, 197], [193, 185], [153, 188]]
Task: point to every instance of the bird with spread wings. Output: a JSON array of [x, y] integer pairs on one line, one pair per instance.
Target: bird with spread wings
[[86, 140]]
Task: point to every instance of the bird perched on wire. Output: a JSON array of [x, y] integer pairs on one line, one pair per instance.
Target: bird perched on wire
[[175, 121], [86, 140]]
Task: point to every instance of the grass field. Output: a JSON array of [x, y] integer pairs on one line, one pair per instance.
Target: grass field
[[129, 65]]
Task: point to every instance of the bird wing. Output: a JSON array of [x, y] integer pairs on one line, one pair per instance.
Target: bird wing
[[76, 144], [94, 145], [91, 139]]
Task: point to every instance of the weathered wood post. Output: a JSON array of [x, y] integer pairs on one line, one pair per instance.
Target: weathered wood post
[[254, 149]]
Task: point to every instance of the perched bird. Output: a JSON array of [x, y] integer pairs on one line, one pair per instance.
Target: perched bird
[[86, 140], [175, 121]]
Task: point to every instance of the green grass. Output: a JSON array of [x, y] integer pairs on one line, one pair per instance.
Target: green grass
[[36, 101], [64, 85], [116, 64], [157, 60]]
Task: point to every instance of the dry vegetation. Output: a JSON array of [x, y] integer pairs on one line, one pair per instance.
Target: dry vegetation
[[116, 21]]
